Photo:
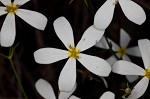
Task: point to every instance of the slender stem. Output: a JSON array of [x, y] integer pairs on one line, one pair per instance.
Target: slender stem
[[3, 55], [9, 57], [18, 79]]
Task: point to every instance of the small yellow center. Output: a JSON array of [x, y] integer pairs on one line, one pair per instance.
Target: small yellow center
[[73, 52], [147, 73], [122, 51], [12, 8]]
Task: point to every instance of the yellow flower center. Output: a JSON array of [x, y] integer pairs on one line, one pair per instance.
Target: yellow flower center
[[147, 73], [73, 52], [12, 8], [122, 51]]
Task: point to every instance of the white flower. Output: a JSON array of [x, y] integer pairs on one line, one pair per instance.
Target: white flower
[[132, 11], [8, 30], [122, 51], [74, 97], [107, 95], [47, 92], [128, 68], [67, 76]]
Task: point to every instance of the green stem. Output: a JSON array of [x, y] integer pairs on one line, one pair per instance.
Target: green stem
[[110, 48], [17, 77], [3, 55], [9, 57]]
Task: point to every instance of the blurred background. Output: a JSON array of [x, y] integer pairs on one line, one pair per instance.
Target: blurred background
[[80, 16]]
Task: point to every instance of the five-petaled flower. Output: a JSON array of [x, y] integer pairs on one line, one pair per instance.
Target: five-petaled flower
[[128, 68], [132, 11], [122, 51], [67, 77], [8, 30], [46, 91]]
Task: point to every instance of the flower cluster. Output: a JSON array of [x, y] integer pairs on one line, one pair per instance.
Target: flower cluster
[[119, 62]]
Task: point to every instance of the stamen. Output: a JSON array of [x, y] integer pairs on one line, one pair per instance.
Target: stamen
[[147, 73], [12, 8], [122, 51], [127, 91], [73, 52]]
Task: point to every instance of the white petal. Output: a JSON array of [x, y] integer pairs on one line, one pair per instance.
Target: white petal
[[134, 51], [115, 47], [8, 31], [64, 31], [108, 95], [132, 78], [144, 46], [126, 58], [140, 88], [90, 37], [127, 68], [124, 38], [2, 11], [130, 97], [49, 55], [111, 59], [35, 19], [133, 11], [118, 55], [94, 64], [103, 44], [74, 97], [67, 78], [66, 95], [45, 89], [104, 15], [6, 2], [20, 2]]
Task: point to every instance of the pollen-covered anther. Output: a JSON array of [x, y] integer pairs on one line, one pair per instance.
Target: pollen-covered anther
[[122, 51], [147, 73], [127, 92], [73, 52], [12, 8]]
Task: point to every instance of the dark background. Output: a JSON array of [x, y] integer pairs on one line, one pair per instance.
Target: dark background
[[80, 17]]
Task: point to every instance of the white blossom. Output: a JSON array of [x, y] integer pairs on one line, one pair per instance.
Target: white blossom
[[128, 68], [131, 10], [46, 91], [8, 30], [121, 51], [67, 76]]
